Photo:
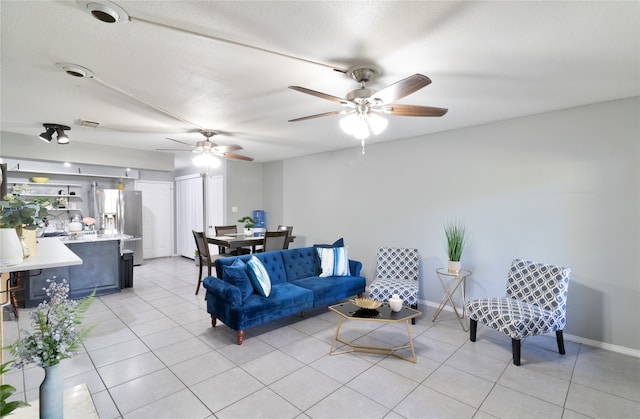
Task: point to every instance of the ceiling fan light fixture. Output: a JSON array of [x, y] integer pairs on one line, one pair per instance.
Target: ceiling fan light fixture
[[377, 123], [106, 11], [206, 160]]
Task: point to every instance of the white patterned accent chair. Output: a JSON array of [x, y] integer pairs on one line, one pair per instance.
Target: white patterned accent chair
[[397, 272], [535, 304]]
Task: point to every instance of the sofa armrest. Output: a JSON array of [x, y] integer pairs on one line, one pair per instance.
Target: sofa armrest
[[221, 290], [355, 267]]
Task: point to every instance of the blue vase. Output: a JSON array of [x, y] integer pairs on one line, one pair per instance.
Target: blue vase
[[52, 394]]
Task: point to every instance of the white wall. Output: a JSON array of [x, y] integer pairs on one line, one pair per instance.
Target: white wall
[[560, 187]]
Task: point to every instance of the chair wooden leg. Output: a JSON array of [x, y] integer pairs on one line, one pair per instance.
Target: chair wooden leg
[[199, 278], [213, 321], [473, 328], [515, 348], [560, 340], [240, 337], [415, 307]]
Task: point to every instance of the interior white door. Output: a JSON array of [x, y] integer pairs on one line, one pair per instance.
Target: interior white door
[[189, 213], [157, 218], [214, 206]]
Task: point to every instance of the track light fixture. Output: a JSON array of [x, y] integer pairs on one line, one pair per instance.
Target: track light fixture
[[47, 136]]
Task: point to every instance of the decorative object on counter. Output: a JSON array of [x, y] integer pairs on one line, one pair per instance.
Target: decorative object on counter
[[55, 336], [395, 303], [89, 223], [249, 224], [455, 233], [6, 391], [25, 216]]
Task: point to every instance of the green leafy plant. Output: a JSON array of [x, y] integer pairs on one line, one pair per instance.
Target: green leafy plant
[[6, 391], [56, 333], [456, 239], [16, 211], [248, 222]]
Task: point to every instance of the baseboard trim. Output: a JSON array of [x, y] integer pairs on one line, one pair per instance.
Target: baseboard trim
[[573, 338]]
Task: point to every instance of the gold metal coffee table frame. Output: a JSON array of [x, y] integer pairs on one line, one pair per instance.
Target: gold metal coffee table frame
[[383, 314]]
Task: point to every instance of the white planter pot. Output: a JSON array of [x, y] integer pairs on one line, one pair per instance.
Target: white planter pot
[[248, 232], [10, 247], [454, 266]]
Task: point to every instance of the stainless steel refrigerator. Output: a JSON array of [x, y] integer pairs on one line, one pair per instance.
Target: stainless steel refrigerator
[[119, 212]]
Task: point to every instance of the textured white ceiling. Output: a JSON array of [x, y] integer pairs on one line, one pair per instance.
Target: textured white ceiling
[[488, 61]]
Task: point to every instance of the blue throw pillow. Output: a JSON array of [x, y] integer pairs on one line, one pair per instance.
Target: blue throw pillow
[[236, 274], [337, 243], [259, 276], [334, 261]]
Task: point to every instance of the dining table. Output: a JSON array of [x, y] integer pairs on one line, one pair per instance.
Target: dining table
[[239, 240]]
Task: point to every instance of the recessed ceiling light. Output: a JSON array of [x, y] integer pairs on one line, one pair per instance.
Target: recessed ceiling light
[[105, 11], [75, 70]]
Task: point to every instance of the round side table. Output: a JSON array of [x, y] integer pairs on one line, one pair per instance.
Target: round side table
[[451, 282]]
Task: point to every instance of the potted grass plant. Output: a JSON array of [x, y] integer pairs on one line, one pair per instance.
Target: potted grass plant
[[456, 238]]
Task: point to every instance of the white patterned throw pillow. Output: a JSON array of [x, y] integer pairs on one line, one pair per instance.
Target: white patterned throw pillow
[[334, 261], [259, 276]]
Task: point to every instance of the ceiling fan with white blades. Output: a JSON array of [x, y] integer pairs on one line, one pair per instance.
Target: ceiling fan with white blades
[[365, 105], [208, 147]]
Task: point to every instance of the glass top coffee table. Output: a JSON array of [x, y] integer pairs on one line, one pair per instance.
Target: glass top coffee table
[[383, 314]]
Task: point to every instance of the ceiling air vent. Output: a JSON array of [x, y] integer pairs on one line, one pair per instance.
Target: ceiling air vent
[[90, 124]]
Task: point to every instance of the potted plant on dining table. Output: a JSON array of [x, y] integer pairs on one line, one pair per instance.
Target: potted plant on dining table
[[249, 224]]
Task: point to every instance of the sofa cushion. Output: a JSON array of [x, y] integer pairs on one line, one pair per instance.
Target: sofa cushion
[[301, 263], [259, 276], [334, 261], [236, 274], [285, 299], [328, 290]]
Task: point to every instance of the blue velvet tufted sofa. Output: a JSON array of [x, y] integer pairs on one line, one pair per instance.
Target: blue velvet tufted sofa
[[295, 286]]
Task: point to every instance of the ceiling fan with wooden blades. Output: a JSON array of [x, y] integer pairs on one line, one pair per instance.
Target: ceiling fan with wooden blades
[[208, 147], [364, 101]]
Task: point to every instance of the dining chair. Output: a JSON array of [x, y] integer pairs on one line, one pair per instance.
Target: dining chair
[[397, 272], [224, 251], [221, 231], [282, 227], [535, 304], [203, 254], [275, 240]]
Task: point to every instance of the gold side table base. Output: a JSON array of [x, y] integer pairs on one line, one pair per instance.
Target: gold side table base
[[459, 281], [374, 349]]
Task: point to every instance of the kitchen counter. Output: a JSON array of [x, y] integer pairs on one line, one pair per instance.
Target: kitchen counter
[[80, 238], [101, 258], [51, 253]]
